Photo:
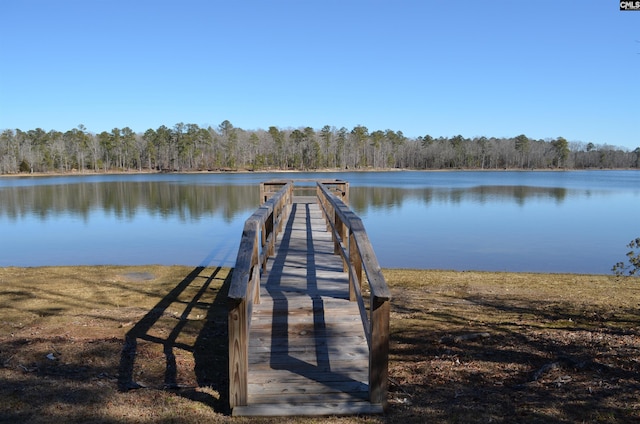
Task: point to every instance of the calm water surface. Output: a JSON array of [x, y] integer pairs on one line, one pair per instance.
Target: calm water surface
[[513, 221]]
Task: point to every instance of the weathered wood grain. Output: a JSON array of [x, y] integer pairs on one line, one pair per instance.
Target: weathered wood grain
[[284, 409]]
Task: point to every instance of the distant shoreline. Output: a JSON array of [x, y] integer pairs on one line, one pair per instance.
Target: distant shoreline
[[297, 171]]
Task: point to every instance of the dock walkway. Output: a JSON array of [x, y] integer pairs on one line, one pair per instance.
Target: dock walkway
[[308, 352]]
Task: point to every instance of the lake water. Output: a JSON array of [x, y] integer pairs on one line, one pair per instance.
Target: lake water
[[505, 221]]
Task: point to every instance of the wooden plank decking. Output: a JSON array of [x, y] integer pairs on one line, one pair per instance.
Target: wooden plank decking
[[308, 354]]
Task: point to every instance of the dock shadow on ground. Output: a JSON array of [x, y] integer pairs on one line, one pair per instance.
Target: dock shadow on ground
[[209, 346]]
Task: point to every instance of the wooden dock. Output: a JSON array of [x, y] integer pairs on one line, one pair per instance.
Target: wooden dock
[[307, 336]]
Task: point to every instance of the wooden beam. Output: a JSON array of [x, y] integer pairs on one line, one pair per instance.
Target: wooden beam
[[311, 409], [238, 352], [379, 355]]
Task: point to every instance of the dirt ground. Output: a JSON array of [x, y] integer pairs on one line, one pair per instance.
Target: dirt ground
[[149, 345]]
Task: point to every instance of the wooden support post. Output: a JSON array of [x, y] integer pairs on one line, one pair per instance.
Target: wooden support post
[[345, 193], [356, 261], [379, 353], [238, 352], [255, 273], [280, 216], [330, 216], [284, 212], [268, 231], [340, 230]]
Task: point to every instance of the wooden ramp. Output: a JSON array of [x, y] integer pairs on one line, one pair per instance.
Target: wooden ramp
[[308, 353]]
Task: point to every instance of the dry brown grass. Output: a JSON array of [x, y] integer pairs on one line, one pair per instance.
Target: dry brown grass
[[466, 347], [503, 347]]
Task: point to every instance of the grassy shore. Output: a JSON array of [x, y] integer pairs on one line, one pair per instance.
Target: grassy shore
[[114, 344]]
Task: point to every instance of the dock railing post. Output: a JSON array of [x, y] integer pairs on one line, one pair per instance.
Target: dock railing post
[[267, 230], [341, 229], [356, 262], [379, 354], [254, 282], [345, 192], [238, 352]]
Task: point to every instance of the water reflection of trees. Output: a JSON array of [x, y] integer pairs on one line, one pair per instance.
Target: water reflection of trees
[[363, 198], [192, 201], [125, 199]]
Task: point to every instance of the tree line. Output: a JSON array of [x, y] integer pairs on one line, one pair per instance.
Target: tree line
[[189, 147]]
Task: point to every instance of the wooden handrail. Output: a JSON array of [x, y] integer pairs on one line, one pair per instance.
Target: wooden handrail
[[352, 243], [339, 187], [256, 245]]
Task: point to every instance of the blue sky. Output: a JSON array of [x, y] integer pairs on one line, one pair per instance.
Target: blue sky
[[493, 68]]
